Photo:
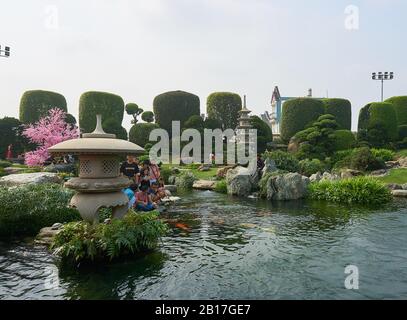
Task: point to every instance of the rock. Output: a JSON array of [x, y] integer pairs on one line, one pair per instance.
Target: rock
[[204, 184], [404, 186], [46, 236], [399, 193], [349, 173], [393, 164], [379, 173], [170, 200], [205, 167], [60, 168], [293, 146], [403, 162], [29, 178], [394, 186], [238, 181], [175, 170], [290, 186], [269, 166], [254, 195], [330, 176], [56, 226], [171, 188], [171, 180], [13, 170], [221, 173], [316, 177]]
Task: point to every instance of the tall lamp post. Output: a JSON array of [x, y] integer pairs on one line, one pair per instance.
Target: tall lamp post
[[382, 76], [5, 53]]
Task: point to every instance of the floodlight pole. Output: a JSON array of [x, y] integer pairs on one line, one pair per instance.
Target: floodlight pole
[[5, 53], [382, 76]]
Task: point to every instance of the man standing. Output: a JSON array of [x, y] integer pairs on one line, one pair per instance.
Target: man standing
[[130, 169]]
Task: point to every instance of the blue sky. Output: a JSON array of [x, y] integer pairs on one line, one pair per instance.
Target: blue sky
[[138, 49]]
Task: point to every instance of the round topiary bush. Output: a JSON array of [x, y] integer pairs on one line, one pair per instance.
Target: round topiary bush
[[400, 106], [341, 109], [140, 133], [224, 107], [384, 113], [344, 139], [297, 114], [91, 103], [35, 104], [175, 106]]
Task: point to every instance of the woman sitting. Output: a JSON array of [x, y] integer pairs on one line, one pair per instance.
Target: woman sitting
[[143, 200]]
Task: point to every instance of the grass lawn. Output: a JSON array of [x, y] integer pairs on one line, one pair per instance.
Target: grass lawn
[[401, 153], [398, 176]]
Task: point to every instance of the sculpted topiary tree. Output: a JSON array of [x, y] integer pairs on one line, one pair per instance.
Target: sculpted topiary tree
[[224, 107], [140, 133], [341, 109], [400, 107], [91, 103], [299, 113], [147, 116], [134, 110], [35, 104], [175, 106]]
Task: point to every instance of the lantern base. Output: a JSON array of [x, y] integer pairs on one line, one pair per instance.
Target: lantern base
[[89, 204]]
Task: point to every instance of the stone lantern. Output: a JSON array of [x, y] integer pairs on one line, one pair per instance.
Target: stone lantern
[[99, 184]]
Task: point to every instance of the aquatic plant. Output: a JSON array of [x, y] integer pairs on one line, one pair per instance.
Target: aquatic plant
[[221, 187], [364, 190], [81, 241]]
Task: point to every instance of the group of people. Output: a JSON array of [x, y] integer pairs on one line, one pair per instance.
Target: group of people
[[147, 188]]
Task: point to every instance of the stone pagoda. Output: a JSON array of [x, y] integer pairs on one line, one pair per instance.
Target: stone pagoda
[[243, 138]]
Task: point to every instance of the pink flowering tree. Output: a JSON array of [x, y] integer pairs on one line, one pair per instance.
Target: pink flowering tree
[[47, 132]]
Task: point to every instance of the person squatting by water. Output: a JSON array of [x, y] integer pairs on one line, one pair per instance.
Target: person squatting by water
[[147, 188]]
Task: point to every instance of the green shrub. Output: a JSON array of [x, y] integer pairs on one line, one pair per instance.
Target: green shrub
[[224, 107], [147, 116], [2, 172], [195, 122], [91, 103], [377, 124], [25, 210], [112, 126], [383, 154], [10, 133], [402, 131], [221, 187], [297, 114], [166, 173], [309, 167], [317, 141], [344, 139], [81, 241], [400, 106], [35, 104], [185, 181], [364, 190], [341, 109], [264, 133], [175, 106], [283, 160], [363, 159], [140, 133], [5, 164]]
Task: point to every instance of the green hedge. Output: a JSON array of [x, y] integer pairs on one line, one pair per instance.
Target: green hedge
[[224, 107], [264, 133], [25, 210], [91, 103], [402, 131], [175, 106], [363, 122], [299, 113], [384, 113], [140, 133], [344, 139], [341, 109], [400, 106], [35, 104], [9, 128]]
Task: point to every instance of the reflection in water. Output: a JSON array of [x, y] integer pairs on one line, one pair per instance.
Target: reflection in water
[[229, 248]]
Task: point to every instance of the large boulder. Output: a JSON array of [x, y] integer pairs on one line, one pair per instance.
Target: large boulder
[[269, 166], [239, 181], [316, 177], [14, 180], [293, 146], [290, 186], [221, 173], [403, 162], [204, 185], [349, 173]]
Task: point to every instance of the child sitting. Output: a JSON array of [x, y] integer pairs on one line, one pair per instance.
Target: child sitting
[[156, 193], [143, 200]]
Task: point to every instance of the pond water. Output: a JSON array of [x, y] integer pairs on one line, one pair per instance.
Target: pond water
[[229, 248]]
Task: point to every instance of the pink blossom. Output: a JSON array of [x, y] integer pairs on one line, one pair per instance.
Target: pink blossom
[[47, 132]]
